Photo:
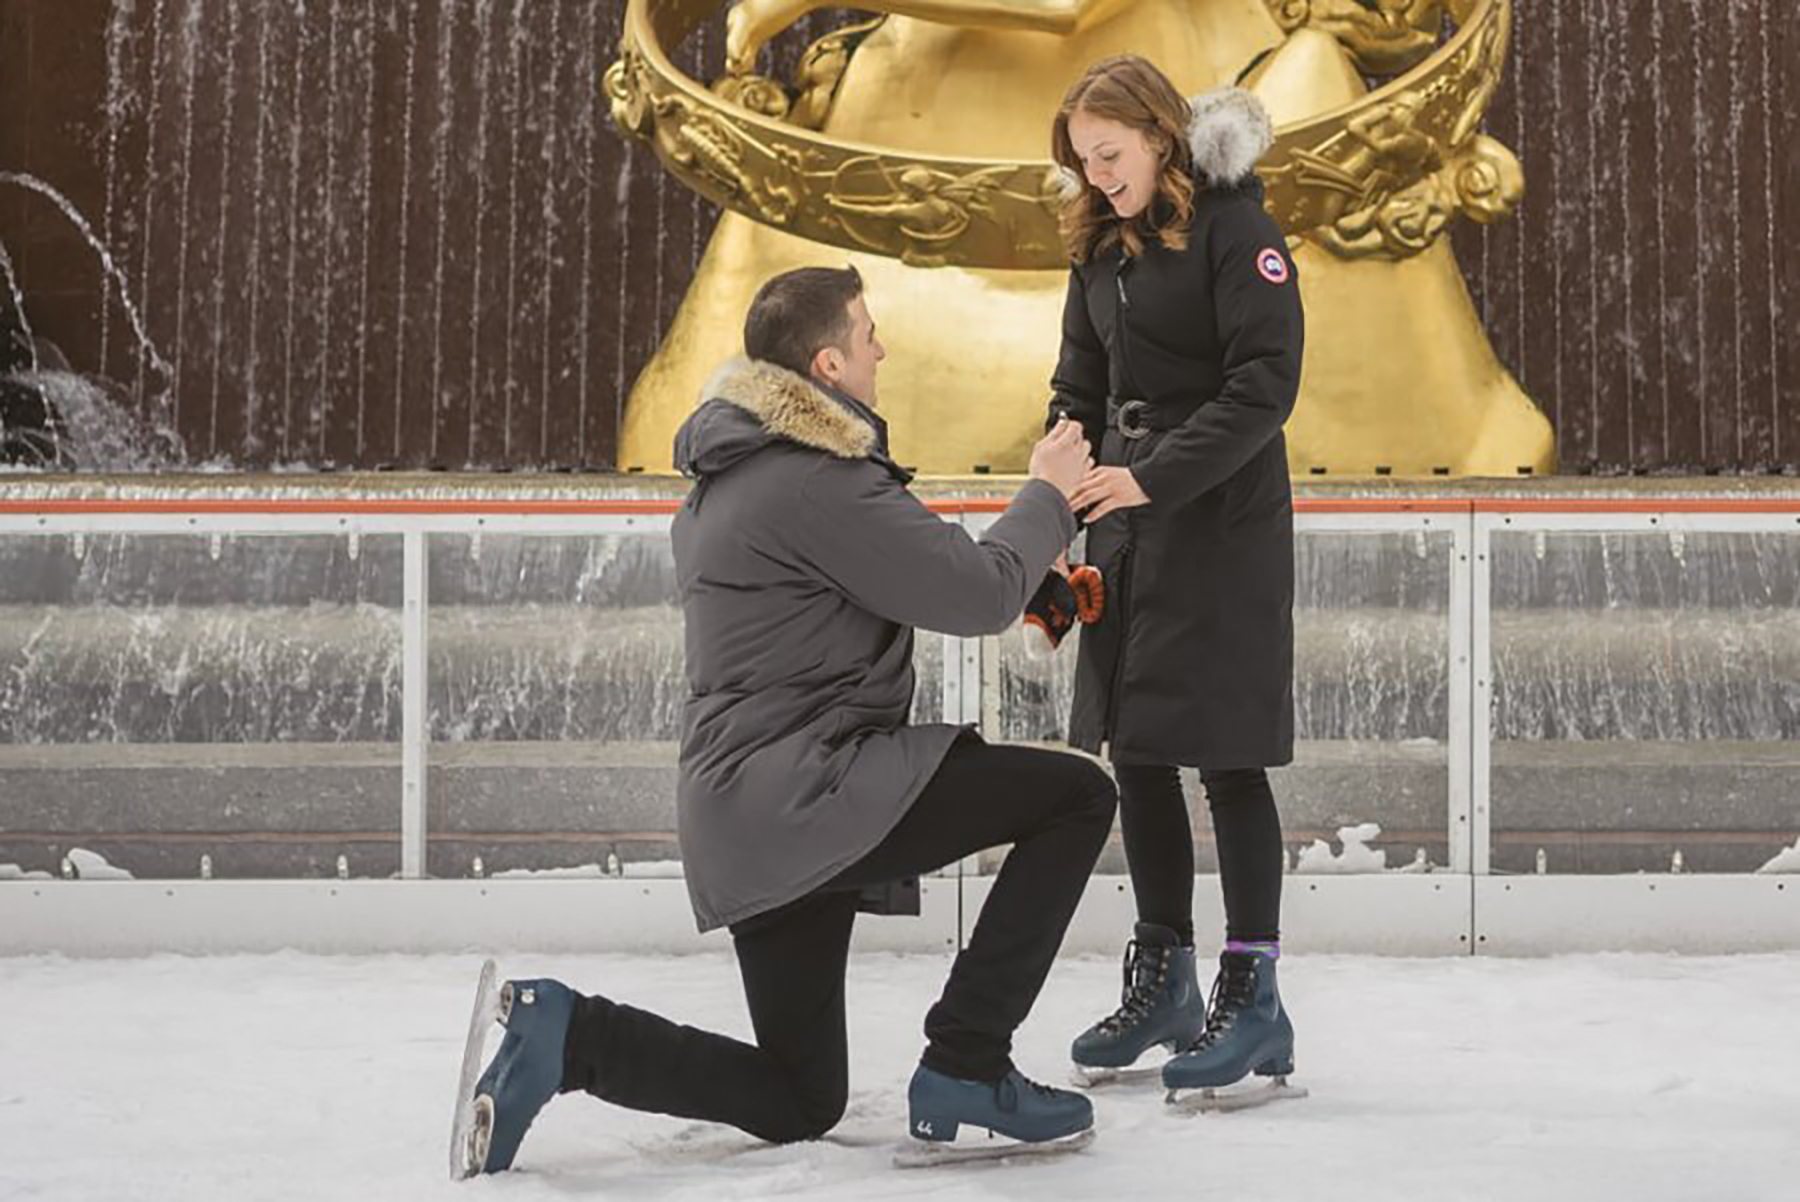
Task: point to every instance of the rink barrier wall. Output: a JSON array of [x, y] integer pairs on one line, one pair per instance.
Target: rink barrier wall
[[1436, 914], [1462, 910]]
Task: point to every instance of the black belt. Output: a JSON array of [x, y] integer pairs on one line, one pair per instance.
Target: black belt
[[1134, 417]]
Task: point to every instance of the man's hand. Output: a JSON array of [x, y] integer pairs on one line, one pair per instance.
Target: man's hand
[[1061, 458], [1107, 489]]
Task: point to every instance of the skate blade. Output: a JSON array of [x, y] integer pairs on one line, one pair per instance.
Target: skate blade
[[1231, 1098], [466, 1128], [1085, 1077], [925, 1154]]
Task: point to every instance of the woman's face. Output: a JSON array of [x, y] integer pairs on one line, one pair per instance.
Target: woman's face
[[1117, 159]]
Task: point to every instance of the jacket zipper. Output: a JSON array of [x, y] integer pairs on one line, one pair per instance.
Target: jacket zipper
[[1118, 680], [1124, 603], [1124, 333]]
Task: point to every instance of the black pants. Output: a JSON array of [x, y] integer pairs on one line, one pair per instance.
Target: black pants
[[793, 1083], [1159, 847]]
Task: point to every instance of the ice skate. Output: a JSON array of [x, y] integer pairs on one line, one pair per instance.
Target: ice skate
[[1160, 1005], [1022, 1118], [493, 1114], [485, 1010], [1247, 1033]]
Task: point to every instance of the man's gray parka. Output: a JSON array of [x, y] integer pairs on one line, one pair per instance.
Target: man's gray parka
[[804, 563]]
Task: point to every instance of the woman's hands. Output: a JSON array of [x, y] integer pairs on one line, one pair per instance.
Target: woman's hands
[[1107, 489]]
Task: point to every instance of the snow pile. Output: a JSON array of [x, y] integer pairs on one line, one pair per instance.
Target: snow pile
[[92, 866], [12, 872], [1357, 855], [1787, 860]]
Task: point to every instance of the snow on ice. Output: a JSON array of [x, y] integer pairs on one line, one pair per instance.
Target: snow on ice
[[221, 1079]]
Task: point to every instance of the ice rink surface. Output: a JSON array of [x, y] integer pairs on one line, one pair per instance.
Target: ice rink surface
[[1627, 1077]]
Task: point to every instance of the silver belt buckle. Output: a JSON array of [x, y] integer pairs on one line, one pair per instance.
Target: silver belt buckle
[[1126, 421]]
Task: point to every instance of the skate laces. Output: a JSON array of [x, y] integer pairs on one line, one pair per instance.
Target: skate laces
[[1145, 968], [1006, 1090], [1231, 992]]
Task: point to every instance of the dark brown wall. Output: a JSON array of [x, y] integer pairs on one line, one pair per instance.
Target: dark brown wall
[[404, 232], [1647, 293]]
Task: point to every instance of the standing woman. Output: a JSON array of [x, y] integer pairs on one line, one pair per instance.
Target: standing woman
[[1181, 348]]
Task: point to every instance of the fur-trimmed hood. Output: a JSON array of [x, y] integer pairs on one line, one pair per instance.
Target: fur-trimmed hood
[[1229, 131], [749, 404]]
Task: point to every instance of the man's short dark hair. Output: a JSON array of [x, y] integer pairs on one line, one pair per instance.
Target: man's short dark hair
[[798, 312]]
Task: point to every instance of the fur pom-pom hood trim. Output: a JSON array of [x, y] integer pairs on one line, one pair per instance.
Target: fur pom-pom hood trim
[[1228, 133]]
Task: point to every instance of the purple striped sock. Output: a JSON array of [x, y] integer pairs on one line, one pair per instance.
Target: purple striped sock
[[1271, 949]]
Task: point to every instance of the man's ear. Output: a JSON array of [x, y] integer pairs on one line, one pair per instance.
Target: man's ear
[[828, 363]]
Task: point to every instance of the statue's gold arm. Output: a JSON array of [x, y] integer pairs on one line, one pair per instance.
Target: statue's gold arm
[[751, 23]]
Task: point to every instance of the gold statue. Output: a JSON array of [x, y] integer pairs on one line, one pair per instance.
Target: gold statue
[[915, 146]]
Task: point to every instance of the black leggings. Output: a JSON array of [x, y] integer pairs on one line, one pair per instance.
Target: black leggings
[[793, 1082], [1159, 847]]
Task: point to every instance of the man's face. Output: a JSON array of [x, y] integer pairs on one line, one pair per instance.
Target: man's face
[[850, 368]]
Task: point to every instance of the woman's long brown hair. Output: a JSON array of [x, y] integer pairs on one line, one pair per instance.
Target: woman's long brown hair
[[1132, 91]]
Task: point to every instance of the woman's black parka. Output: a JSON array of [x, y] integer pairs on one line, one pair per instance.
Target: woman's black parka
[[1183, 366]]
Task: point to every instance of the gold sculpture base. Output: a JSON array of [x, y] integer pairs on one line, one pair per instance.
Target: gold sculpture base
[[970, 351], [1400, 379], [970, 354]]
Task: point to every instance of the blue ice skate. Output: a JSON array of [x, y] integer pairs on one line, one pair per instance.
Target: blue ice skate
[[1160, 1004], [1039, 1117], [1247, 1031], [523, 1075]]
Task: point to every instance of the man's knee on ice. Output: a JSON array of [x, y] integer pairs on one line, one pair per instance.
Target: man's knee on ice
[[814, 1118]]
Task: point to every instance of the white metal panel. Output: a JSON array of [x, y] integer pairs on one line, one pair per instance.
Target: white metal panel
[[1702, 914], [1398, 914], [415, 726], [129, 918], [1645, 523], [1481, 707], [335, 523], [1461, 750]]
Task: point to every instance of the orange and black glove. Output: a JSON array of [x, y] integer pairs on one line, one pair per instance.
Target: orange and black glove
[[1059, 603]]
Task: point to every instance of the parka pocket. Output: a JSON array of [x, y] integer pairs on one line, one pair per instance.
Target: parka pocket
[[1258, 493]]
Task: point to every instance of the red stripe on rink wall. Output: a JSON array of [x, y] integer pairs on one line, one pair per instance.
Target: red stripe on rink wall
[[411, 507]]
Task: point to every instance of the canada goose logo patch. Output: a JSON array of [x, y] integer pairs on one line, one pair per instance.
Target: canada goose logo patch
[[1271, 266]]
